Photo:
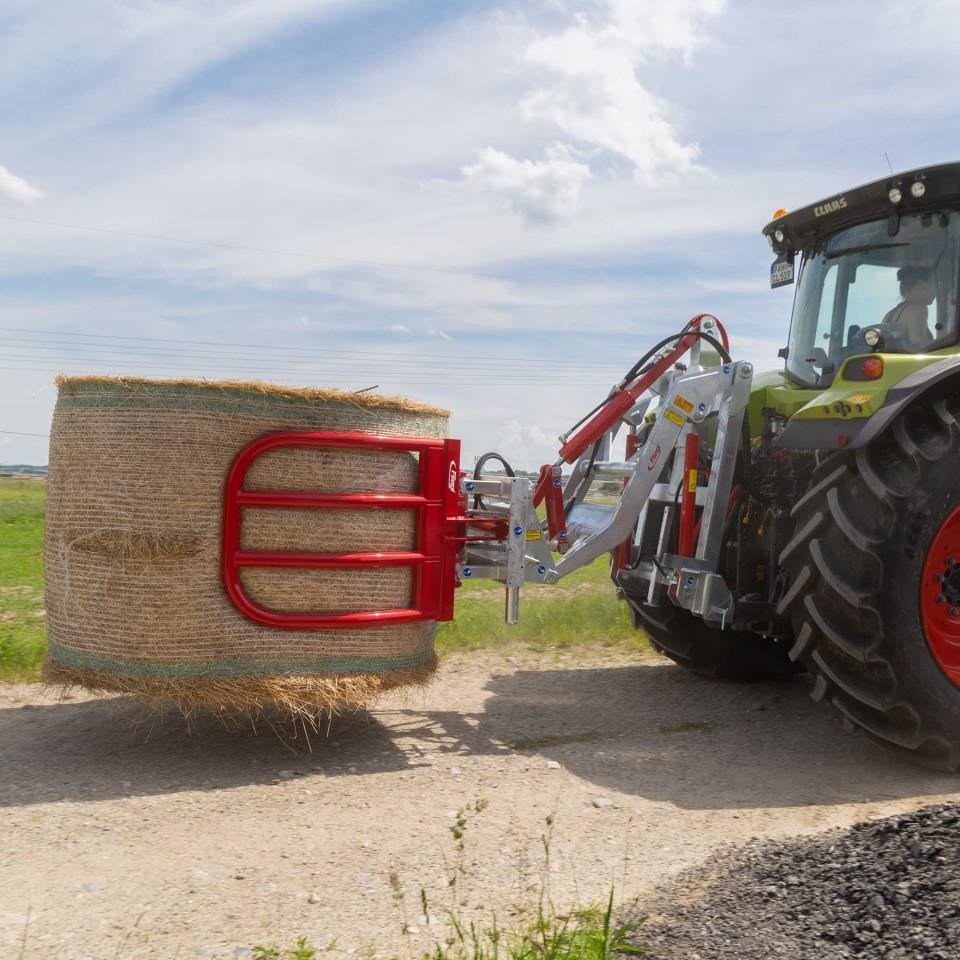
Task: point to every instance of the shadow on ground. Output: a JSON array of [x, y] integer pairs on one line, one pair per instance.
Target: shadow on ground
[[647, 730]]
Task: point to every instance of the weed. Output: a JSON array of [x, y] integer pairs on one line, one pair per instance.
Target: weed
[[589, 934], [585, 934], [302, 951]]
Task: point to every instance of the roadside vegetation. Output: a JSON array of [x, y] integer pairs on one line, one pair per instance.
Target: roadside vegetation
[[580, 613], [22, 629], [542, 933]]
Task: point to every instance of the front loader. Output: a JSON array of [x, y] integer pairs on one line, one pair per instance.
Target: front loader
[[802, 520]]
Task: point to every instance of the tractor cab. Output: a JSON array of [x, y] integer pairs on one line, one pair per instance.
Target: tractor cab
[[877, 272]]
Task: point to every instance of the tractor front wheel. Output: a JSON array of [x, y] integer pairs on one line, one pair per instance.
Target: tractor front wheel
[[709, 651], [874, 591]]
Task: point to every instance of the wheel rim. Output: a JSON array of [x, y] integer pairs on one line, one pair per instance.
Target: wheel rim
[[940, 597]]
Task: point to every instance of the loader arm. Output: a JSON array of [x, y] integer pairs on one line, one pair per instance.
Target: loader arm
[[676, 416]]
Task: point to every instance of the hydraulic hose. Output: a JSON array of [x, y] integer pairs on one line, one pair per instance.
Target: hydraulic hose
[[478, 469]]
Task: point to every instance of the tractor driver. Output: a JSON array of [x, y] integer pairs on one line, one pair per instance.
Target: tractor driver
[[908, 319]]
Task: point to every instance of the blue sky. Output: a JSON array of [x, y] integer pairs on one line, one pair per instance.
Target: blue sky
[[491, 206]]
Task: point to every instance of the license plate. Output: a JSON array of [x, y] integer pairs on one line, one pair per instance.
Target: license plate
[[781, 272]]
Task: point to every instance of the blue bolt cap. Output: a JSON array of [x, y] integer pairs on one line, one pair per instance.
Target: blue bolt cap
[[518, 530], [470, 485], [468, 571]]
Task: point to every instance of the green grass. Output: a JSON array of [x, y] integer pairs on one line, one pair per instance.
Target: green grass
[[581, 611], [22, 629], [589, 934]]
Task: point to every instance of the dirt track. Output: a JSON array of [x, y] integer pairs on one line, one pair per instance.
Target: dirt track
[[120, 841]]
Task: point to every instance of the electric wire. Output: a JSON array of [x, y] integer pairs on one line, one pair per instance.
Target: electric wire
[[361, 367], [387, 355], [287, 372]]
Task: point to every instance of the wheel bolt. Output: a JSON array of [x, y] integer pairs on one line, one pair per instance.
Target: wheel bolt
[[952, 563], [954, 611], [939, 578], [940, 598]]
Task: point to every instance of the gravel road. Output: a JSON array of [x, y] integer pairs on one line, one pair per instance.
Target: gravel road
[[125, 839]]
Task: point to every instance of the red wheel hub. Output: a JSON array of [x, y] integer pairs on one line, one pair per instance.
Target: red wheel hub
[[940, 597]]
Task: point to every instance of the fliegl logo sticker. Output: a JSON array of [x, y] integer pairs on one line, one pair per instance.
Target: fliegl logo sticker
[[453, 477], [654, 457]]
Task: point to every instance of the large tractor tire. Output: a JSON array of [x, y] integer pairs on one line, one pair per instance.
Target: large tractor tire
[[702, 649], [874, 589]]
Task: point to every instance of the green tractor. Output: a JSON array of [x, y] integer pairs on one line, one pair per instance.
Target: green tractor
[[806, 520], [841, 544]]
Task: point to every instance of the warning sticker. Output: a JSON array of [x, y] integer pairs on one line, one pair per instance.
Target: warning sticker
[[692, 481], [673, 417], [535, 534], [860, 398], [683, 403]]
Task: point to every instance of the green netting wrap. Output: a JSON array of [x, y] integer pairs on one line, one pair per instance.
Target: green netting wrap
[[135, 601]]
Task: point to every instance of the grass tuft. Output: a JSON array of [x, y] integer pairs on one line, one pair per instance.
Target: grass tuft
[[590, 934]]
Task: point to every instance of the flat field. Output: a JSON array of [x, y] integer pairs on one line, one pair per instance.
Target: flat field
[[22, 630]]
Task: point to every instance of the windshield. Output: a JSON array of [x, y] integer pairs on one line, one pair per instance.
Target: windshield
[[905, 284]]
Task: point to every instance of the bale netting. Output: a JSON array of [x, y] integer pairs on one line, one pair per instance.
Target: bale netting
[[135, 599]]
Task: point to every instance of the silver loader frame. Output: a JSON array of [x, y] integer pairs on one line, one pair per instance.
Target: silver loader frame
[[708, 400]]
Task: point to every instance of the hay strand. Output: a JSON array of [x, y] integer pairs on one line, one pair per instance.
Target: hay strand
[[304, 697]]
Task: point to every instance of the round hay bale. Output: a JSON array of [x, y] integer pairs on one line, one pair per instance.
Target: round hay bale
[[135, 599]]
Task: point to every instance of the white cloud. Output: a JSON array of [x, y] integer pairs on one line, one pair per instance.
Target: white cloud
[[526, 445], [542, 191], [442, 334], [399, 328], [588, 87], [593, 93], [16, 188]]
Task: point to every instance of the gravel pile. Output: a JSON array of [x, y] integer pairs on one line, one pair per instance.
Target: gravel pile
[[885, 890]]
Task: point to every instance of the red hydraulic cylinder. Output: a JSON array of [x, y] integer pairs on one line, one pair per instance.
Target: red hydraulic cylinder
[[688, 499], [617, 405]]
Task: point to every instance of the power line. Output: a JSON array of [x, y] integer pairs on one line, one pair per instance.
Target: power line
[[17, 433], [170, 342], [339, 383], [348, 358], [342, 368]]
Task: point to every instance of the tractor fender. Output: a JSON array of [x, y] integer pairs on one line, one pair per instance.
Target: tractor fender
[[930, 382]]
